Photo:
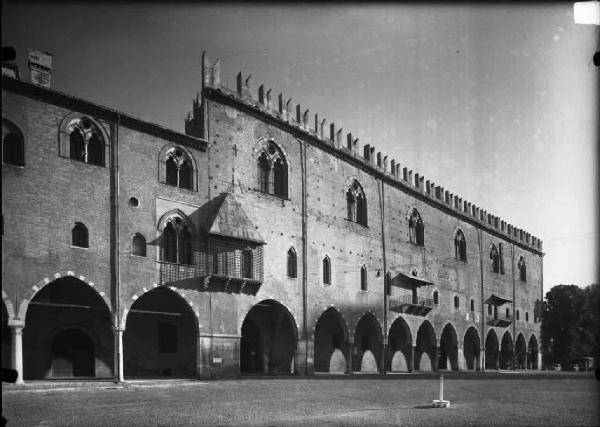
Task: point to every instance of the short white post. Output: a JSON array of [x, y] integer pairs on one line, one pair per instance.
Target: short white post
[[441, 403]]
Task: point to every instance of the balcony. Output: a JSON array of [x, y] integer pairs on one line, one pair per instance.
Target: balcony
[[499, 321], [410, 304], [202, 278]]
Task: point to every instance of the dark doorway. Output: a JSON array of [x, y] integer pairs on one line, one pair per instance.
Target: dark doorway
[[520, 353], [448, 354], [72, 355], [506, 352], [532, 353], [161, 336], [269, 336], [331, 346], [491, 351], [251, 348], [471, 349]]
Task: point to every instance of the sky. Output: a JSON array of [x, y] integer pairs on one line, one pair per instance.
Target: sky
[[496, 103]]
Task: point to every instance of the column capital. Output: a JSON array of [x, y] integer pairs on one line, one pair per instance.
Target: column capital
[[16, 323], [118, 328]]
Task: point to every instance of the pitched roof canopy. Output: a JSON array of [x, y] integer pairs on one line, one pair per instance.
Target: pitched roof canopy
[[228, 219]]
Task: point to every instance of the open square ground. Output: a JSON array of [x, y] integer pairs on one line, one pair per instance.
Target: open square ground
[[484, 399]]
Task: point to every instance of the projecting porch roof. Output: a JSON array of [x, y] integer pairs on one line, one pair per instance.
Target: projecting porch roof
[[496, 300], [407, 281]]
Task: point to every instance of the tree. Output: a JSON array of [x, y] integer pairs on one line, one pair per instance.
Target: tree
[[570, 324]]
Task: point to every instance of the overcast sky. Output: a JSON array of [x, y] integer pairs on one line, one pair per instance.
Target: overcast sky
[[498, 104]]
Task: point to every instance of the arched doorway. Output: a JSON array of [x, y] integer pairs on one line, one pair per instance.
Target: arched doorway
[[532, 353], [399, 347], [161, 336], [506, 351], [6, 338], [448, 352], [520, 353], [471, 349], [331, 343], [491, 350], [269, 337], [68, 332], [426, 351], [72, 354], [367, 344]]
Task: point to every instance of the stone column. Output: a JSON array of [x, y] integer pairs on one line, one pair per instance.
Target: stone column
[[16, 326], [539, 361], [304, 363], [411, 363], [498, 361], [118, 362], [461, 359], [435, 359], [482, 360]]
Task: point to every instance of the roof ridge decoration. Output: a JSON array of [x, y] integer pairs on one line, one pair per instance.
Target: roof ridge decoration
[[370, 157]]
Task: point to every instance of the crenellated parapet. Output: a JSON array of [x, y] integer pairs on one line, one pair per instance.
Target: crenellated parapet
[[328, 133]]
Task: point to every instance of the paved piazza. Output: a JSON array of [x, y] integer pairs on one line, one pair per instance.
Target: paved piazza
[[489, 399]]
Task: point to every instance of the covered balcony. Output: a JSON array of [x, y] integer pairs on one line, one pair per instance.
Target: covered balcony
[[493, 318], [410, 304]]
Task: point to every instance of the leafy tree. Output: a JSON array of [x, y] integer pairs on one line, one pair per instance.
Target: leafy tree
[[570, 324]]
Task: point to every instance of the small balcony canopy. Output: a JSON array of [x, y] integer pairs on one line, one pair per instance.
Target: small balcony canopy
[[496, 300], [407, 281], [226, 218]]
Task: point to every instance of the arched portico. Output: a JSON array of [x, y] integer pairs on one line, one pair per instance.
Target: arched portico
[[448, 351], [532, 353], [506, 351], [426, 350], [161, 336], [471, 349], [399, 349], [331, 343], [367, 344], [68, 332], [492, 350], [520, 352], [269, 337]]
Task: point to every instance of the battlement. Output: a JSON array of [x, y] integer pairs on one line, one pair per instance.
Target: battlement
[[294, 115]]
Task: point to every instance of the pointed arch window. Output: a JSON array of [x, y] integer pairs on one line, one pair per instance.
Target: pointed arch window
[[178, 168], [456, 301], [272, 171], [495, 258], [176, 241], [86, 141], [472, 305], [416, 229], [363, 278], [388, 283], [326, 271], [292, 264], [522, 269], [13, 146], [460, 246], [518, 314], [79, 236], [356, 204], [138, 245], [436, 297]]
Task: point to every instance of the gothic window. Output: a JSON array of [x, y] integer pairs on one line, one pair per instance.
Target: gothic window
[[518, 314], [86, 141], [138, 245], [363, 278], [79, 236], [522, 269], [179, 170], [460, 246], [13, 147], [495, 259], [388, 283], [272, 171], [247, 265], [356, 204], [436, 297], [507, 312], [456, 301], [176, 241], [416, 230], [292, 264], [527, 316], [472, 305], [326, 271]]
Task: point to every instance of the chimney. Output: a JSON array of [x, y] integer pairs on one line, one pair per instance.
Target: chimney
[[40, 64]]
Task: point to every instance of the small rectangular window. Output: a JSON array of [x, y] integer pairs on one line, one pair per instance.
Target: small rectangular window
[[167, 338]]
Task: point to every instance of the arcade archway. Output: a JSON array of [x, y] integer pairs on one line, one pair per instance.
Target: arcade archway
[[448, 351], [492, 350], [532, 353], [331, 343], [68, 332], [367, 344], [426, 351], [506, 351], [399, 347], [471, 349], [520, 353], [161, 336], [269, 337]]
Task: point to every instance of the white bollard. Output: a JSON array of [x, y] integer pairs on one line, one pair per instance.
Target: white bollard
[[441, 403]]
